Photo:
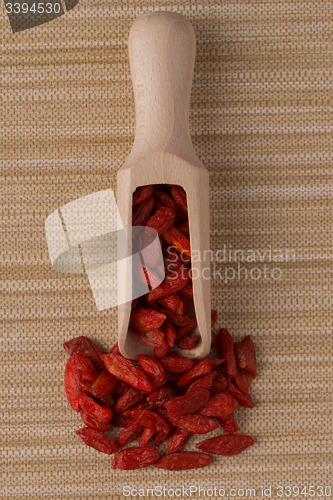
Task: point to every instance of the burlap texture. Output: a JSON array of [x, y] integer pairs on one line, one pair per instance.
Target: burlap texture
[[261, 121]]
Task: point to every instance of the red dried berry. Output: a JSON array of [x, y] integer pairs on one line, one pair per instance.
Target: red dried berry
[[243, 399], [142, 211], [130, 398], [102, 413], [152, 367], [146, 436], [176, 364], [145, 320], [95, 439], [228, 423], [104, 384], [127, 371], [84, 346], [129, 433], [204, 382], [135, 458], [243, 381], [177, 441], [188, 403], [202, 368], [198, 424], [162, 219], [219, 405], [226, 445], [93, 423], [219, 382], [245, 355], [85, 367], [225, 345], [71, 384], [142, 193], [184, 460], [151, 420]]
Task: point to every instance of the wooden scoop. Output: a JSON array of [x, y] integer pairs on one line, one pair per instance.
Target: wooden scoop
[[162, 53]]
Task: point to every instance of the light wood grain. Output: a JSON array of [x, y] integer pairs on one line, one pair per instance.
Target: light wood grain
[[162, 54]]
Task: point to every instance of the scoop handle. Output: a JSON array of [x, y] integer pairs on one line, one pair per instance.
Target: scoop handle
[[162, 54]]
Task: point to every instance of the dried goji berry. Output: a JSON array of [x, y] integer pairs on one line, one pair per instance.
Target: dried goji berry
[[71, 384], [183, 331], [184, 460], [188, 342], [243, 399], [243, 381], [129, 433], [174, 303], [179, 195], [202, 368], [198, 424], [162, 220], [165, 200], [135, 458], [152, 367], [146, 436], [151, 420], [245, 355], [173, 282], [226, 445], [84, 366], [160, 395], [145, 320], [163, 436], [213, 339], [93, 423], [149, 248], [175, 237], [176, 319], [104, 384], [95, 439], [130, 398], [147, 276], [228, 423], [219, 382], [127, 371], [142, 211], [225, 345], [142, 193], [204, 382], [219, 405], [154, 337], [188, 403], [176, 364], [84, 346], [161, 351], [177, 441], [102, 413], [170, 333]]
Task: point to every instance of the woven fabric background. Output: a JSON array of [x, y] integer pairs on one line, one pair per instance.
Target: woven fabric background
[[261, 121]]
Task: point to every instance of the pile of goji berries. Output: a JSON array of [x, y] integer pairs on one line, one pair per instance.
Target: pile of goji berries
[[168, 396]]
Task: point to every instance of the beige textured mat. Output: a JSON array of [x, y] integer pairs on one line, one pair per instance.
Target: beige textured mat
[[261, 120]]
